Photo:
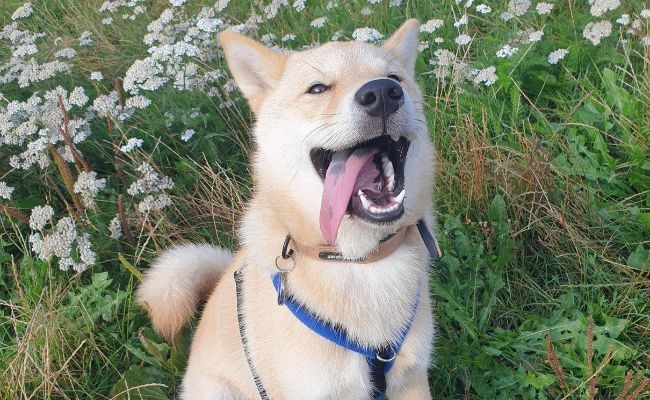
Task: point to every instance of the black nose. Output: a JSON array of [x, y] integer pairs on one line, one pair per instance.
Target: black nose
[[380, 97]]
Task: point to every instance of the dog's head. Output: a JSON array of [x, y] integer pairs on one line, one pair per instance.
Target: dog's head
[[343, 153]]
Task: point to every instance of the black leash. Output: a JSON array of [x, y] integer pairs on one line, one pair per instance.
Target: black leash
[[242, 333]]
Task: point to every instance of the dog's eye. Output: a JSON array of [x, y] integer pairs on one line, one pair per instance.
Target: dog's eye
[[317, 88], [395, 77]]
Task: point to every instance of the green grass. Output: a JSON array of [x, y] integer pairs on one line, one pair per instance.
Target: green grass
[[542, 193]]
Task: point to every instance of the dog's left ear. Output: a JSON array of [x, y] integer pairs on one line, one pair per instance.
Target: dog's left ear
[[403, 44]]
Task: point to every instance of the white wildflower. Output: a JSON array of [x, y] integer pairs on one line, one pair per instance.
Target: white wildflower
[[624, 19], [394, 3], [107, 21], [449, 66], [646, 40], [486, 76], [462, 21], [518, 7], [431, 25], [87, 256], [145, 75], [131, 145], [318, 22], [177, 3], [288, 37], [463, 40], [439, 40], [5, 191], [96, 76], [33, 72], [187, 135], [507, 16], [506, 51], [595, 31], [78, 97], [299, 5], [366, 11], [154, 203], [271, 10], [557, 55], [107, 105], [535, 36], [137, 101], [600, 7], [22, 12], [150, 182], [544, 8], [373, 2], [209, 24], [422, 46], [367, 34], [483, 9], [268, 38], [88, 186], [62, 243], [40, 217], [66, 53], [645, 13], [115, 227]]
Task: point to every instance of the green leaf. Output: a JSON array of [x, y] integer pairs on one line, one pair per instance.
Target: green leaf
[[141, 383], [497, 211], [640, 258]]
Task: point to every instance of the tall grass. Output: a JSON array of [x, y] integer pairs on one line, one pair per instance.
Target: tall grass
[[543, 187]]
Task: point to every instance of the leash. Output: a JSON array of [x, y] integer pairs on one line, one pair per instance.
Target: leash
[[380, 360], [239, 280]]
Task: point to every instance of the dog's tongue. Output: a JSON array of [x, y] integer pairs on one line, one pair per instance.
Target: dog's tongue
[[340, 180]]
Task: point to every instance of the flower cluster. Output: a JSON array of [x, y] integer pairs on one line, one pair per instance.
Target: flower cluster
[[178, 44], [72, 249], [153, 186], [88, 186], [40, 123]]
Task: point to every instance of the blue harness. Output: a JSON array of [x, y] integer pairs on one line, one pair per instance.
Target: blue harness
[[380, 360]]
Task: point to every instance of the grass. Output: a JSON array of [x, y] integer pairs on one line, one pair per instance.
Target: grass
[[542, 193]]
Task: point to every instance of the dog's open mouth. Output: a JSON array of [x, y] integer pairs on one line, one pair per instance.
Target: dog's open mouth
[[366, 180]]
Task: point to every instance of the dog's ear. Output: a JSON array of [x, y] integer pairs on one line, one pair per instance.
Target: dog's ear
[[403, 44], [256, 68]]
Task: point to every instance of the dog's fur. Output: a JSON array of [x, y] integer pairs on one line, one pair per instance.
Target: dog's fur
[[372, 302]]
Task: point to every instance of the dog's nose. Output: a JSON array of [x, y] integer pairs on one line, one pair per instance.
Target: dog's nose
[[380, 97]]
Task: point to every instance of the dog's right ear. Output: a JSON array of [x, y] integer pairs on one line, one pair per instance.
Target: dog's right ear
[[256, 68]]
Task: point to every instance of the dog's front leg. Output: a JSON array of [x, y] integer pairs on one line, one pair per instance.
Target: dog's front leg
[[416, 389]]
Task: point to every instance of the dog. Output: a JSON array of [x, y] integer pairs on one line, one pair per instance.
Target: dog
[[328, 295]]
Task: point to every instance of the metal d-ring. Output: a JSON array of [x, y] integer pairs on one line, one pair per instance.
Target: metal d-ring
[[389, 359], [285, 270]]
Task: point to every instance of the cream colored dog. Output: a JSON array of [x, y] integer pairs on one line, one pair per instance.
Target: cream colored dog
[[330, 295]]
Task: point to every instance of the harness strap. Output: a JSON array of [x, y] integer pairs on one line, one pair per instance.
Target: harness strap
[[380, 361]]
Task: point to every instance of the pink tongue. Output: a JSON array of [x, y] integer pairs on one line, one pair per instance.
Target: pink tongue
[[340, 179]]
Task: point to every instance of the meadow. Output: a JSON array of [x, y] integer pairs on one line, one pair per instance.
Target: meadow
[[121, 132]]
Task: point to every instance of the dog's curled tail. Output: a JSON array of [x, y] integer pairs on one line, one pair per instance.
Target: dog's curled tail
[[177, 281]]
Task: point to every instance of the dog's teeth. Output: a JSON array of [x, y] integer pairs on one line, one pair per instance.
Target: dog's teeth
[[400, 197], [389, 172], [367, 204]]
